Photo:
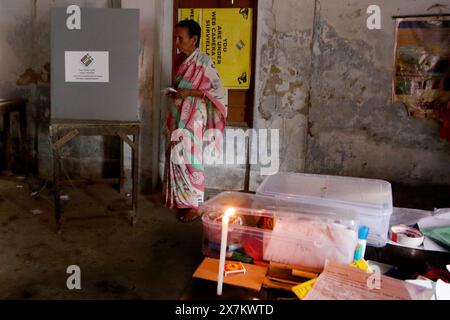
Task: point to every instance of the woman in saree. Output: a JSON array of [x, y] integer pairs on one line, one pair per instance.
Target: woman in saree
[[196, 114]]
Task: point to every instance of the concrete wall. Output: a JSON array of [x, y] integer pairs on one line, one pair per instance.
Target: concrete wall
[[148, 47], [354, 128], [322, 78], [20, 74], [282, 97], [325, 81]]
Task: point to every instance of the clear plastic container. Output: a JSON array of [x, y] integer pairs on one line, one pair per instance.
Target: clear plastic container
[[371, 198], [270, 229]]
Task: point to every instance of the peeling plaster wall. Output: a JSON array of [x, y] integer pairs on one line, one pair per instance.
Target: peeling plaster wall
[[11, 37], [16, 53], [324, 80], [354, 128], [283, 72]]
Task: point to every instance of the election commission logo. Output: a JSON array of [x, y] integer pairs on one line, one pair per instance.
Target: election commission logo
[[87, 60]]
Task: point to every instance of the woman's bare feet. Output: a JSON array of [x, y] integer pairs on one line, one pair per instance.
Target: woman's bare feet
[[188, 215]]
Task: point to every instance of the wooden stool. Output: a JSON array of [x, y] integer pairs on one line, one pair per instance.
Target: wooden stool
[[6, 107]]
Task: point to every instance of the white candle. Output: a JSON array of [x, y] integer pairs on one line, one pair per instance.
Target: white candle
[[223, 248]]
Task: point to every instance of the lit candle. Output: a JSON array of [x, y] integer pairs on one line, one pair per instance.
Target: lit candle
[[223, 247]]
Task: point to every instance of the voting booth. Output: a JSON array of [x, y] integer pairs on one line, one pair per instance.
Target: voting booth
[[94, 69], [94, 83]]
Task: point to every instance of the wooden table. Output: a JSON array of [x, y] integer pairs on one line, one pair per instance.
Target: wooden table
[[8, 106], [63, 131], [408, 261]]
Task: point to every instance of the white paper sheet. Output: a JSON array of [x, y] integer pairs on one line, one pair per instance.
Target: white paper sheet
[[430, 245], [442, 290], [426, 284], [437, 220], [440, 219], [86, 66], [408, 216], [309, 243]]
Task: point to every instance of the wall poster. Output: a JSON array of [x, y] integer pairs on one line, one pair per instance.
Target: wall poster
[[226, 38]]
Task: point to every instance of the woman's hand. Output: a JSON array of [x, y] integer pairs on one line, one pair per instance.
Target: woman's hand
[[183, 93]]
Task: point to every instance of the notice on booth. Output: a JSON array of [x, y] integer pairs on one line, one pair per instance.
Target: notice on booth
[[87, 66]]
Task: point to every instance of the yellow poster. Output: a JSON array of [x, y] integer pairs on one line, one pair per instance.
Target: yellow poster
[[186, 14], [226, 38]]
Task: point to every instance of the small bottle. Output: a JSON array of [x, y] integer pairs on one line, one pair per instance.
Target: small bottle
[[360, 250]]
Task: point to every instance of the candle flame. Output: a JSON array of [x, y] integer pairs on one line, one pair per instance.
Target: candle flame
[[230, 212]]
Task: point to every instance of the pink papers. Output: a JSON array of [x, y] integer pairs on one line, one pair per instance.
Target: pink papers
[[342, 282]]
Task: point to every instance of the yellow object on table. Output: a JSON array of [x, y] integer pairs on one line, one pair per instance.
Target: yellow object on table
[[302, 289], [361, 264]]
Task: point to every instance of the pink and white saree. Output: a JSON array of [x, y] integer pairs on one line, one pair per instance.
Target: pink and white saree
[[190, 123]]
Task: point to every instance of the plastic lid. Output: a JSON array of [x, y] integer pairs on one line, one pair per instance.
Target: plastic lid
[[368, 196], [259, 205]]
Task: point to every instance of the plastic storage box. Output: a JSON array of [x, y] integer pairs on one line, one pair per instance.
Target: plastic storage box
[[371, 198], [271, 229]]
